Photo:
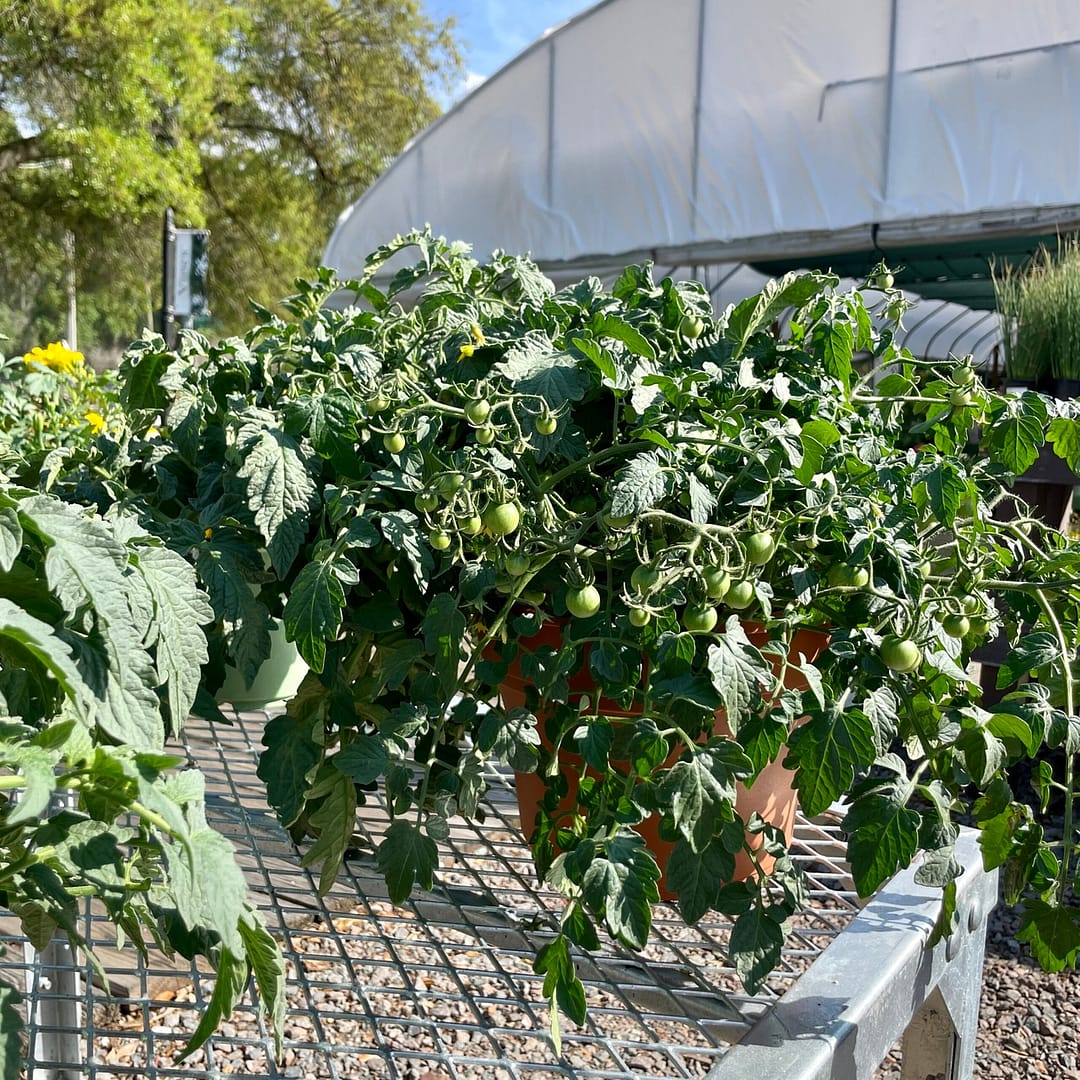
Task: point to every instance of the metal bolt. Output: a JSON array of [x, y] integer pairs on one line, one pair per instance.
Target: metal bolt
[[974, 915]]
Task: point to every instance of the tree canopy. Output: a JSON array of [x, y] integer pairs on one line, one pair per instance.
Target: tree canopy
[[258, 119]]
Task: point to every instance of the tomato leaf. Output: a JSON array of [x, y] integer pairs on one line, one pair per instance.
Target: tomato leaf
[[639, 486], [883, 835], [1052, 932], [279, 490], [738, 671], [1033, 651], [621, 882], [444, 631], [231, 978], [697, 877], [287, 763], [333, 820], [312, 614], [827, 752], [755, 945], [406, 858]]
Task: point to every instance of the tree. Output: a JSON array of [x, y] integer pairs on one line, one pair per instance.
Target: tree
[[261, 119]]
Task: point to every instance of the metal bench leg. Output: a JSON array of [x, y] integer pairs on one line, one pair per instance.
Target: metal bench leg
[[939, 1043], [54, 995]]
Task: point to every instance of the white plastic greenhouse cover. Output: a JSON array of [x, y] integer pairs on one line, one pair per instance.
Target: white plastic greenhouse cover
[[695, 132]]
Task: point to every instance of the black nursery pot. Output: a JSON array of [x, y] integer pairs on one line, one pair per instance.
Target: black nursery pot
[[1066, 389]]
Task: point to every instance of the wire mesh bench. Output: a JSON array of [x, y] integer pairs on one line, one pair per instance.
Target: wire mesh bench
[[443, 988]]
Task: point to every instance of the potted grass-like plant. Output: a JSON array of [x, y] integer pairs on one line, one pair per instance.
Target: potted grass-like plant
[[1039, 307]]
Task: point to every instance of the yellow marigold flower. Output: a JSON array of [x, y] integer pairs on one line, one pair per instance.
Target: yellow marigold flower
[[96, 422], [56, 356]]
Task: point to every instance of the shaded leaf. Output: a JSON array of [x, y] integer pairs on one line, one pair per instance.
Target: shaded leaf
[[312, 614], [406, 858], [755, 946]]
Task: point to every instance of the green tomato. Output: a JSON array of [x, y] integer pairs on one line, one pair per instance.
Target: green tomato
[[644, 577], [377, 404], [501, 519], [517, 564], [841, 575], [546, 424], [959, 397], [699, 620], [980, 626], [426, 501], [639, 617], [962, 374], [739, 595], [612, 521], [470, 525], [900, 654], [956, 625], [485, 435], [971, 604], [394, 442], [477, 412], [717, 582], [584, 602], [691, 327], [760, 548], [449, 483], [884, 280], [925, 568], [439, 539]]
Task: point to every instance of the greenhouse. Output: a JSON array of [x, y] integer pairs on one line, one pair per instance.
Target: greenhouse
[[938, 138]]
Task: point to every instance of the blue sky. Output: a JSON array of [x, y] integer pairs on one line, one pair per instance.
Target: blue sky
[[492, 32]]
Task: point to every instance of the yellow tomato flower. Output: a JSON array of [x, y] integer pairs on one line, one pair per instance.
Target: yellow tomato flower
[[96, 422], [208, 534], [466, 350]]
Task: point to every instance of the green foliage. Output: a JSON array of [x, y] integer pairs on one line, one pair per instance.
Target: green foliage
[[379, 477], [261, 120], [100, 647]]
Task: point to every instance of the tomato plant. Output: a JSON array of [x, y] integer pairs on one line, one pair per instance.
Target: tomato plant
[[720, 488]]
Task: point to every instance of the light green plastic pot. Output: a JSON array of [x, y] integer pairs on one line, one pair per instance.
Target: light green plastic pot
[[276, 681]]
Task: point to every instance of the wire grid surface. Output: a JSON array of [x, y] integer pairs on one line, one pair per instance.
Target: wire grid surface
[[439, 989]]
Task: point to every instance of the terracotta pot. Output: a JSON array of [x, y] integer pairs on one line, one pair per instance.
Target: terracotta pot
[[772, 794]]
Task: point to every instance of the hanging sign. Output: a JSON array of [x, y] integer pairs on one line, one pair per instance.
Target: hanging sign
[[191, 269]]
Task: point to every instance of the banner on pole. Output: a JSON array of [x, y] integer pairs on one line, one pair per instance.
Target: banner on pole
[[191, 268]]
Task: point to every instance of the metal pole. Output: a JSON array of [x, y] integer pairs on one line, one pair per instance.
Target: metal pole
[[72, 313], [168, 315]]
